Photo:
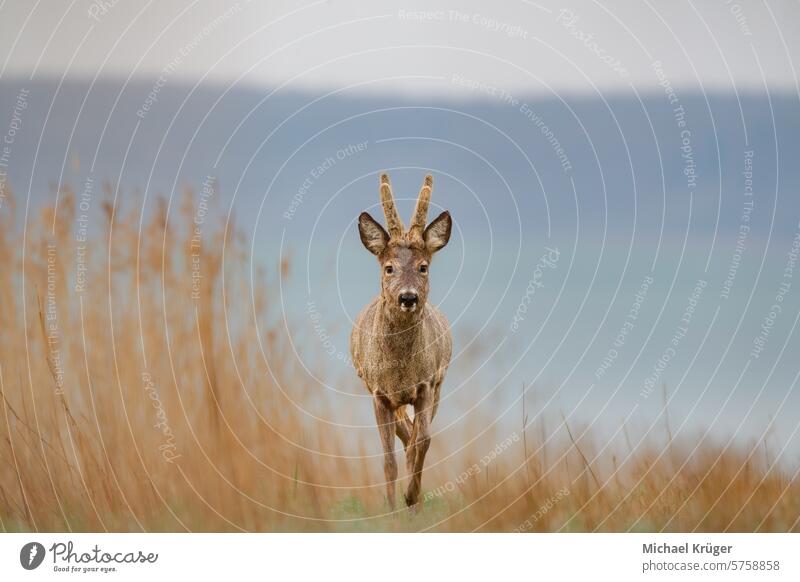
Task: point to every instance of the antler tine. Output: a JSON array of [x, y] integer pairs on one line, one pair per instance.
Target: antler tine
[[393, 222], [420, 216]]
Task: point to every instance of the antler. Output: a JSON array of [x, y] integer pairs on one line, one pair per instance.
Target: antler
[[420, 215], [393, 222]]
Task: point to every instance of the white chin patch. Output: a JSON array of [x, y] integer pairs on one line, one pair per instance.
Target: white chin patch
[[404, 308]]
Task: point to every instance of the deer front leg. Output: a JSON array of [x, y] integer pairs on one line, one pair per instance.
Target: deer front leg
[[420, 441], [384, 415], [403, 427]]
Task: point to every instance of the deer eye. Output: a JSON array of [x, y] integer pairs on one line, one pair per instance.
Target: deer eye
[[388, 269], [423, 268]]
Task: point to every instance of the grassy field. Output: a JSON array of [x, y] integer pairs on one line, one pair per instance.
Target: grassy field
[[139, 394]]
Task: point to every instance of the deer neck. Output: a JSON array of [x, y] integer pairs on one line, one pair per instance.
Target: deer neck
[[402, 326]]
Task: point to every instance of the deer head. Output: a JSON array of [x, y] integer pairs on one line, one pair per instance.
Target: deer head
[[405, 255]]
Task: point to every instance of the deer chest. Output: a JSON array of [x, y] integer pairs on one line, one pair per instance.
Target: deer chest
[[397, 372]]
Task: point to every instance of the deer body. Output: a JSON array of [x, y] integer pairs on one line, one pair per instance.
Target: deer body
[[401, 345], [393, 360]]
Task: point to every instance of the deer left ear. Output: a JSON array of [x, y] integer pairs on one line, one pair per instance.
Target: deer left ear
[[437, 233], [372, 234]]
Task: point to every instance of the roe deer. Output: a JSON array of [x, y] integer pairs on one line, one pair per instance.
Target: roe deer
[[401, 345]]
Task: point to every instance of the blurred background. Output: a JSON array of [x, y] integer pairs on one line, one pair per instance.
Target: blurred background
[[623, 181]]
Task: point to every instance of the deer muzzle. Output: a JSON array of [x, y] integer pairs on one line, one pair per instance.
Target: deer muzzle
[[408, 300]]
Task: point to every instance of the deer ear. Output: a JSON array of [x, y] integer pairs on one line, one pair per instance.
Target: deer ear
[[372, 234], [437, 234]]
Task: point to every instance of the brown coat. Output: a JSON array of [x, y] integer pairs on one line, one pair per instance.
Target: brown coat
[[393, 357], [401, 345]]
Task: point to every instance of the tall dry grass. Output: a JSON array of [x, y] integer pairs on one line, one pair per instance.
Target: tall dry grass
[[130, 405]]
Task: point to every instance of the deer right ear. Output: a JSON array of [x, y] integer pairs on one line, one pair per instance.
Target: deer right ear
[[372, 234]]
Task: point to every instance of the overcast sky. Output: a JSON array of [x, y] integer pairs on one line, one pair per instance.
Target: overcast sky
[[418, 47]]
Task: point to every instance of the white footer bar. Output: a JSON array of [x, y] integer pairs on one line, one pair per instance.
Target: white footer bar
[[390, 557]]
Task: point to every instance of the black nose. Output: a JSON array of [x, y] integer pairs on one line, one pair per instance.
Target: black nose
[[408, 299]]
